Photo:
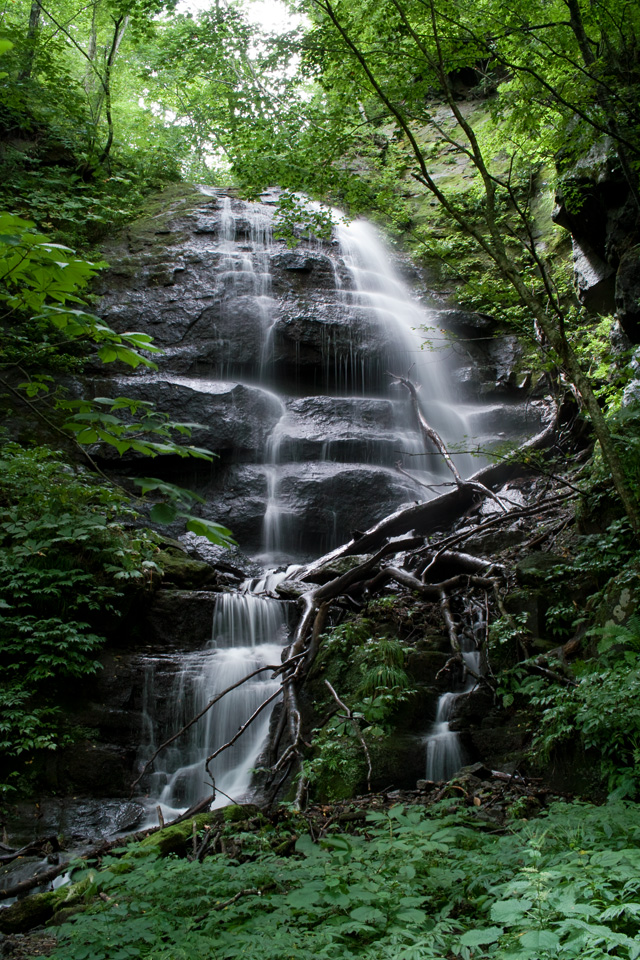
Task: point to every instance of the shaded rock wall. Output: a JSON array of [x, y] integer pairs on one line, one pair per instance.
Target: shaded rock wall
[[266, 349]]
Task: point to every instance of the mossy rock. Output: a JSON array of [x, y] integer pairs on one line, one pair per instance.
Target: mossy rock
[[237, 812], [534, 569], [183, 572], [33, 911], [173, 839], [422, 666], [621, 599]]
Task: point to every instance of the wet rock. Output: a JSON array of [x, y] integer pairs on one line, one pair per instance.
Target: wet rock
[[184, 573], [463, 323], [534, 569], [627, 293], [99, 769], [228, 416], [326, 344], [229, 561], [180, 619], [74, 819], [593, 276], [423, 666], [489, 367], [30, 912]]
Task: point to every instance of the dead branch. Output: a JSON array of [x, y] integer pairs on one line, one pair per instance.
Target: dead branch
[[427, 486], [465, 560], [249, 892], [429, 434], [427, 431], [242, 729], [358, 732], [428, 590], [318, 627], [46, 876], [539, 508], [423, 518], [449, 621], [276, 668]]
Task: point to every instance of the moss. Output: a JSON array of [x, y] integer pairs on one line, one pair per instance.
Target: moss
[[534, 569], [31, 912], [181, 571], [172, 839], [236, 812]]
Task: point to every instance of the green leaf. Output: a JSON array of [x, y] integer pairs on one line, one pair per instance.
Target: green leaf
[[369, 915], [214, 532], [478, 938], [508, 911], [540, 940], [163, 513]]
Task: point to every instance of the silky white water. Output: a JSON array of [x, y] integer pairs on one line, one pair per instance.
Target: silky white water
[[248, 633], [412, 331], [248, 630], [444, 752]]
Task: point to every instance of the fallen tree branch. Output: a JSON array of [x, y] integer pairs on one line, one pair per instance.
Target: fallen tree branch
[[449, 621], [358, 731], [249, 892], [276, 668], [423, 518], [538, 508], [242, 729], [46, 876], [429, 434]]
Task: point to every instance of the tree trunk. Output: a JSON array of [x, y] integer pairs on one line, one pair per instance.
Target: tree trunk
[[32, 40]]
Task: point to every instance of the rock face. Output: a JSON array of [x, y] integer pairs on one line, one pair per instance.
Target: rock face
[[283, 358], [596, 204], [628, 293]]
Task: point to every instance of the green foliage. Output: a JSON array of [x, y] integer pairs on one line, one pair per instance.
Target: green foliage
[[414, 884], [603, 709], [39, 280], [368, 672], [40, 284], [64, 558], [297, 218]]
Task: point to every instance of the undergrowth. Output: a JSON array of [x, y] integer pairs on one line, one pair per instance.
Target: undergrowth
[[412, 884], [64, 560]]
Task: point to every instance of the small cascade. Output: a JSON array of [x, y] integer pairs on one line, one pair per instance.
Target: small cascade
[[444, 751], [445, 754], [248, 633]]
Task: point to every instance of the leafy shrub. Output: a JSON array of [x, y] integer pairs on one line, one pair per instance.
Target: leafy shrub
[[603, 709], [412, 885], [64, 556]]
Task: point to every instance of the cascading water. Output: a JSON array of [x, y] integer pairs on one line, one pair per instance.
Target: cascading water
[[380, 292], [315, 447], [445, 754], [248, 633]]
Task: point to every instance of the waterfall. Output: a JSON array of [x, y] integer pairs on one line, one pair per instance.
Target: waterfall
[[248, 633], [380, 292], [318, 448], [444, 752]]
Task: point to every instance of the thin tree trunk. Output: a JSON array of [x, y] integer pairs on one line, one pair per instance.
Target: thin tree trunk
[[120, 26], [32, 40]]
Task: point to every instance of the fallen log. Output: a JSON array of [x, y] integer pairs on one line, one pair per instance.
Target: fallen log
[[426, 517]]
